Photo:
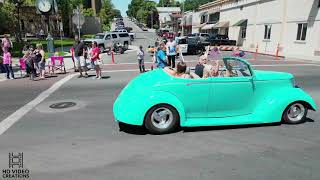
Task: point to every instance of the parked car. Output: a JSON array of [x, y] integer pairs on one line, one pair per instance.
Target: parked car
[[132, 35], [108, 39], [217, 40], [200, 36], [161, 102], [190, 45]]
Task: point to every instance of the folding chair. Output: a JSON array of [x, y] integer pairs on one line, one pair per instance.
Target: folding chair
[[56, 63], [22, 65]]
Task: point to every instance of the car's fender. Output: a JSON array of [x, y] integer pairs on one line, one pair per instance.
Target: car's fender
[[271, 107], [134, 110]]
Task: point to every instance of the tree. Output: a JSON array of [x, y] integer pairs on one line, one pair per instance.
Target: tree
[[153, 20], [10, 14], [190, 5], [144, 11], [134, 7], [117, 13], [107, 13], [87, 12], [66, 7]]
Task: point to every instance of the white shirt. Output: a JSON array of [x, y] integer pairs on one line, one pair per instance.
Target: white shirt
[[171, 48]]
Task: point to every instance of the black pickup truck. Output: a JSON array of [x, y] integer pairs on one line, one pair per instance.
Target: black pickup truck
[[217, 40]]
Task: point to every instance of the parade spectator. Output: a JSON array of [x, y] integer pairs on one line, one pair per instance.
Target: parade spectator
[[30, 70], [95, 59], [6, 44], [171, 48], [40, 61], [161, 56], [41, 33], [79, 52], [180, 72], [7, 62], [140, 57]]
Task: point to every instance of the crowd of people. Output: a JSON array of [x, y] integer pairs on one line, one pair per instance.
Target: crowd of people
[[165, 58]]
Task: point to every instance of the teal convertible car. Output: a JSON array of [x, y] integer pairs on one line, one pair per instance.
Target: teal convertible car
[[161, 102]]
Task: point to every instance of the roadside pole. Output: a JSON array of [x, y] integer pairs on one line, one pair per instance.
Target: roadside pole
[[182, 28], [78, 11]]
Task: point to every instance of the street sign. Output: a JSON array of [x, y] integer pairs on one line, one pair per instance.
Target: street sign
[[78, 19]]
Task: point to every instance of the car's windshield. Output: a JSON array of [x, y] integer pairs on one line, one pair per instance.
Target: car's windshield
[[205, 35], [99, 36], [192, 41], [182, 41]]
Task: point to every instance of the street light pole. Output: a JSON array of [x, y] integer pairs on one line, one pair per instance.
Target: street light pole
[[182, 28]]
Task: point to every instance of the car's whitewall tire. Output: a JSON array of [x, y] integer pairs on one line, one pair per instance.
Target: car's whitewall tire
[[295, 113], [162, 119]]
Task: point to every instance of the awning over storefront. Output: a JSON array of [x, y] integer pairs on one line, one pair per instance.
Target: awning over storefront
[[208, 26], [242, 22], [222, 24]]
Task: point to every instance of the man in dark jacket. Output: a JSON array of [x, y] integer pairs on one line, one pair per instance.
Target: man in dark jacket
[[79, 52]]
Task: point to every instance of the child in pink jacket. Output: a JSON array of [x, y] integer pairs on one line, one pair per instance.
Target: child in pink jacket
[[7, 62]]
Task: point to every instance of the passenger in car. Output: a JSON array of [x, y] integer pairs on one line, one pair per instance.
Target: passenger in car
[[180, 72]]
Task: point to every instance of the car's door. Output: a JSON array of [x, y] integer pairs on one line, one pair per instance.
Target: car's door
[[194, 95], [115, 38], [108, 41], [232, 95]]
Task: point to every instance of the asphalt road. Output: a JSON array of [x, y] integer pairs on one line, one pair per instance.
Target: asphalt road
[[83, 142]]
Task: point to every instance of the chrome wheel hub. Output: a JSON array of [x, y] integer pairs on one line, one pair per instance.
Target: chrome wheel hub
[[162, 118], [296, 112]]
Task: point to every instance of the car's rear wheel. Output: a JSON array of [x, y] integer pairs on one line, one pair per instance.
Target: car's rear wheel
[[162, 119], [295, 113]]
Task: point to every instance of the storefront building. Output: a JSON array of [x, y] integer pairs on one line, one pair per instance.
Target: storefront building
[[292, 26]]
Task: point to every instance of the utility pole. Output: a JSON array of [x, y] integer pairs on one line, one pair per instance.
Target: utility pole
[[78, 11], [182, 28]]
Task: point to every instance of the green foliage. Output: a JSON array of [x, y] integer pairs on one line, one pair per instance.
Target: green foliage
[[106, 14], [142, 10], [18, 46], [87, 12], [155, 26], [8, 17], [87, 36], [190, 5], [168, 3], [66, 7]]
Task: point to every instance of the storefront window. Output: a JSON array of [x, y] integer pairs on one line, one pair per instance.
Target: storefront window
[[302, 31], [243, 31], [267, 31]]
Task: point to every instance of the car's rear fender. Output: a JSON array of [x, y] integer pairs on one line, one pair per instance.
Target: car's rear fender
[[271, 108], [133, 110], [162, 97]]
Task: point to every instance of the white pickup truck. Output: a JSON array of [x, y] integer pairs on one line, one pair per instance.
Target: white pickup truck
[[108, 39], [132, 35]]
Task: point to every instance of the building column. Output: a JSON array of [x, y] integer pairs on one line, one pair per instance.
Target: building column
[[93, 6]]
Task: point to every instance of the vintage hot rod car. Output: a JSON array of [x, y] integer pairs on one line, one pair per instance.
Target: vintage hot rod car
[[161, 102]]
